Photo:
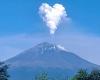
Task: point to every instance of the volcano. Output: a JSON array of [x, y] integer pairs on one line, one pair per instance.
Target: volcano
[[46, 57]]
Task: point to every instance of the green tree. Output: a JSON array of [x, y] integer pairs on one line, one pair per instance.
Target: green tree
[[42, 76], [3, 71], [81, 75], [94, 75]]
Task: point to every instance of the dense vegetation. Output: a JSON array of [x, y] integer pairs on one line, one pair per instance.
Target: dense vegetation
[[80, 75], [3, 71], [83, 75]]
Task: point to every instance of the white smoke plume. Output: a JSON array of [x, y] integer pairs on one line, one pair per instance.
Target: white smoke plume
[[52, 15]]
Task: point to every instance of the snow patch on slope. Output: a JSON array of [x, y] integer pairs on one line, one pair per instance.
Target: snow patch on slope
[[61, 47]]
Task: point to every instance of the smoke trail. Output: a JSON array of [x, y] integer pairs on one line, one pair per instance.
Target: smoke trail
[[52, 15]]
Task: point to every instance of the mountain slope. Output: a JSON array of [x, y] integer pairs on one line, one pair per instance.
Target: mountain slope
[[46, 57]]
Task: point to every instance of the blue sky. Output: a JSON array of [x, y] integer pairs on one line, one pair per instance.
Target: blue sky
[[21, 27], [21, 16]]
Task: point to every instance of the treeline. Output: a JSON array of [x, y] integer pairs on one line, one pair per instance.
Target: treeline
[[84, 75], [3, 71], [80, 75]]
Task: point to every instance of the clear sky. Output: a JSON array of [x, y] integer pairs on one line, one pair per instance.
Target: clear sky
[[21, 27]]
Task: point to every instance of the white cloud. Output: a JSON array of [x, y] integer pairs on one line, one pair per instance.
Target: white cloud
[[52, 15]]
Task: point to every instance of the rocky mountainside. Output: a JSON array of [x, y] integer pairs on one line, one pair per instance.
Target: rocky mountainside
[[47, 57]]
